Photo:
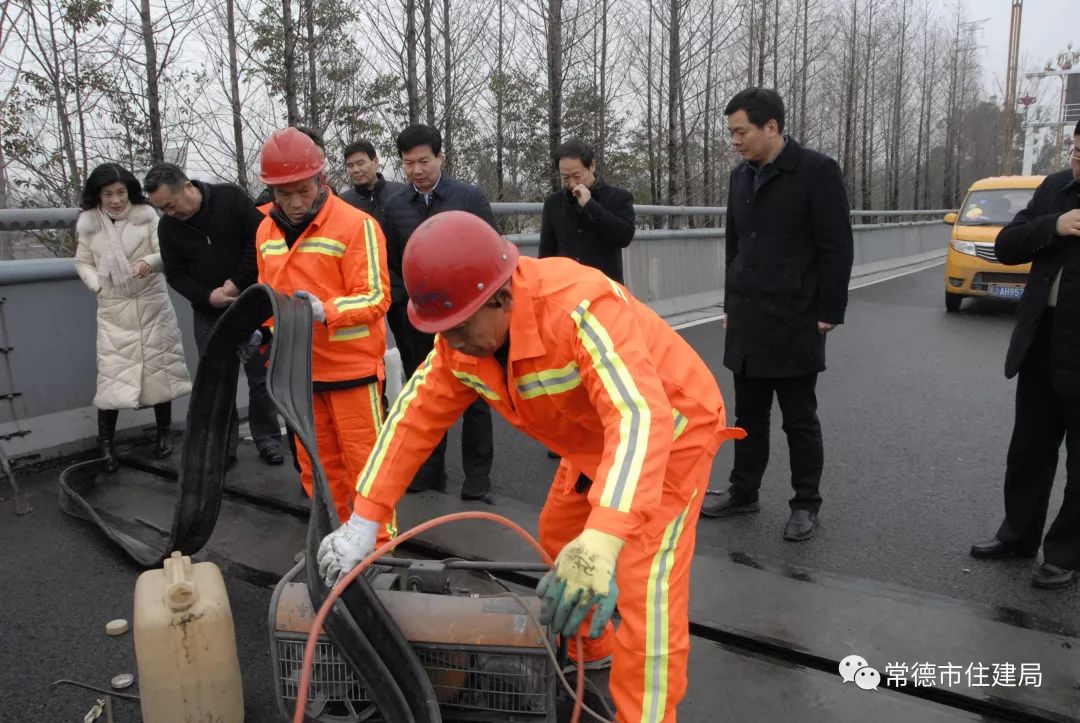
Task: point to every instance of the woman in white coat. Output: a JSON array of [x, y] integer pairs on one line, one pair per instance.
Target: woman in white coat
[[140, 358]]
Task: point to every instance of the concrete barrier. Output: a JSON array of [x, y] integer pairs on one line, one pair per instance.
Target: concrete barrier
[[48, 319]]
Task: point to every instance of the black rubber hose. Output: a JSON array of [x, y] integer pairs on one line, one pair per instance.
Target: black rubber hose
[[380, 654], [360, 628]]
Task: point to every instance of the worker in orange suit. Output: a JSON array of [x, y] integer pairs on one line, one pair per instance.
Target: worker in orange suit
[[315, 245], [569, 357]]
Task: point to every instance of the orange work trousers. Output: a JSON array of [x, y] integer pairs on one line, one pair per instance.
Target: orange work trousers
[[347, 423], [651, 647]]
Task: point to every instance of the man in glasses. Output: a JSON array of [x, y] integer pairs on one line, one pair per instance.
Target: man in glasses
[[1045, 352]]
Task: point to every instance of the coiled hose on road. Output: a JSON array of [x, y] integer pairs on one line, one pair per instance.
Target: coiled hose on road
[[358, 624]]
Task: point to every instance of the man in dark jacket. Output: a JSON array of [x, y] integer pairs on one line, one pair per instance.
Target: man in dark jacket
[[1045, 352], [789, 252], [370, 190], [430, 192], [207, 238], [587, 220]]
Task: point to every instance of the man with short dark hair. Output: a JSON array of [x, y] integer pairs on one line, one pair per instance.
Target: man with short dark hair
[[369, 191], [1045, 352], [207, 238], [789, 252], [432, 192], [587, 220]]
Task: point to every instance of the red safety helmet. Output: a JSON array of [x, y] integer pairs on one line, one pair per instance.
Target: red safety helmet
[[453, 263], [290, 156]]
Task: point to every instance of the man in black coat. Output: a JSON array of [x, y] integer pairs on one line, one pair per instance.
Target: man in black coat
[[370, 190], [1045, 352], [430, 192], [789, 252], [207, 239], [587, 220]]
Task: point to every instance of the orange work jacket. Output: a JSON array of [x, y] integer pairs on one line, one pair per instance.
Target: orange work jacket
[[340, 258], [592, 373]]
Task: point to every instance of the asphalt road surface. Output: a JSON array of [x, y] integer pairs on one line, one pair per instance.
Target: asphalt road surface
[[916, 414]]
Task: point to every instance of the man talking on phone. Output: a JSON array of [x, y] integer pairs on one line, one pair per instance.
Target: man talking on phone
[[587, 220]]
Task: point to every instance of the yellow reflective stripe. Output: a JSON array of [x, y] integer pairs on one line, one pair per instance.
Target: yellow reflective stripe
[[622, 479], [680, 424], [321, 245], [657, 623], [477, 384], [382, 444], [391, 526], [618, 291], [376, 407], [549, 381], [348, 333], [375, 294], [273, 247]]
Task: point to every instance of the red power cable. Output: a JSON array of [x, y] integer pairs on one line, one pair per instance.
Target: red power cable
[[335, 593]]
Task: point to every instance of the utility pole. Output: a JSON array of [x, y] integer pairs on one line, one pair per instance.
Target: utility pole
[[1010, 86]]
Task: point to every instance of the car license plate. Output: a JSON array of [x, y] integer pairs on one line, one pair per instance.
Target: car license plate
[[1007, 292]]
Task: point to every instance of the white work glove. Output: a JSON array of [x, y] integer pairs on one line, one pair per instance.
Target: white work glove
[[318, 313], [250, 348], [342, 549]]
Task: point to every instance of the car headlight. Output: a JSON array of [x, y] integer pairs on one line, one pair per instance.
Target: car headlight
[[963, 247]]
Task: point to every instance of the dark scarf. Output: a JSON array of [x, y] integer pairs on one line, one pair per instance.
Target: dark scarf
[[293, 230]]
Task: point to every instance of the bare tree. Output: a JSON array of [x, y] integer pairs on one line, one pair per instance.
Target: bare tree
[[429, 62], [674, 92], [234, 95], [289, 33], [448, 89], [411, 81]]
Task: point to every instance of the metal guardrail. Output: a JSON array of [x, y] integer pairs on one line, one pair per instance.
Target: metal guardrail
[[28, 219], [58, 269]]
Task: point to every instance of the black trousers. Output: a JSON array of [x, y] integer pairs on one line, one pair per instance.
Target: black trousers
[[477, 441], [262, 414], [1043, 419], [798, 405]]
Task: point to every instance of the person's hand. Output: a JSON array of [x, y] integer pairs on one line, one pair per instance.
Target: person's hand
[[342, 549], [250, 348], [825, 327], [318, 313], [230, 288], [1068, 223], [219, 298], [583, 578], [140, 269], [581, 193], [723, 321]]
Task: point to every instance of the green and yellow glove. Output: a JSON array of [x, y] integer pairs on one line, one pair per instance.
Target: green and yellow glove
[[584, 577]]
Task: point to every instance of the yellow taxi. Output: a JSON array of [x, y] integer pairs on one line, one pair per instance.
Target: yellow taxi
[[971, 268]]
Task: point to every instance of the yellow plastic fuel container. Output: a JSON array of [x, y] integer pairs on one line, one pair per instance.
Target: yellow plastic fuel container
[[185, 645]]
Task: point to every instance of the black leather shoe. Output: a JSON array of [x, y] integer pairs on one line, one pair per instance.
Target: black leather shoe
[[271, 454], [800, 526], [722, 504], [1052, 577], [995, 549], [428, 479], [476, 487]]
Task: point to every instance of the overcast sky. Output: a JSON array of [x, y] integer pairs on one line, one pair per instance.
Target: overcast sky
[[1046, 27]]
